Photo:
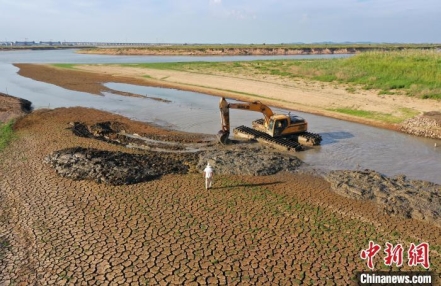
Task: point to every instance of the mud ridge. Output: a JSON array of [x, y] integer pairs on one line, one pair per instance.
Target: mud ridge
[[394, 196], [246, 160], [118, 168], [114, 168]]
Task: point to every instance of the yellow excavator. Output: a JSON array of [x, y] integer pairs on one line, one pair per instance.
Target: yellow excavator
[[284, 131]]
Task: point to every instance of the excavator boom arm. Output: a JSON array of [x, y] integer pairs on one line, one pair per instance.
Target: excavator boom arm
[[224, 107], [254, 106]]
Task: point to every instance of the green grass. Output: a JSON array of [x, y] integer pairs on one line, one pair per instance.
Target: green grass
[[405, 113], [414, 72], [65, 66], [411, 72], [6, 134]]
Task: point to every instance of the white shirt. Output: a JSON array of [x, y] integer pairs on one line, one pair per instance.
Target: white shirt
[[208, 172]]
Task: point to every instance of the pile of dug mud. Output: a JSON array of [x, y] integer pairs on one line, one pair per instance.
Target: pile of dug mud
[[395, 196], [12, 107], [119, 168], [116, 168], [105, 131], [426, 125], [119, 133], [255, 161]]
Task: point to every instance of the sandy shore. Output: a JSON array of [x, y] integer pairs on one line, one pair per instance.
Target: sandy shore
[[282, 229]]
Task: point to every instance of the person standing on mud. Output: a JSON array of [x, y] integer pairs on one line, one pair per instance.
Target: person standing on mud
[[208, 175]]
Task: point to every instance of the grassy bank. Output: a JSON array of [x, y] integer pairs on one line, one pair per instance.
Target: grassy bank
[[404, 113], [6, 134], [332, 46], [414, 73], [65, 66]]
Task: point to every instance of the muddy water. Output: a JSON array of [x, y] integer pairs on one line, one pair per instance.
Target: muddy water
[[345, 145]]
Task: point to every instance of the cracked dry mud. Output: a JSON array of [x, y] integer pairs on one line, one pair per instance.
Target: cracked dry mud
[[282, 229]]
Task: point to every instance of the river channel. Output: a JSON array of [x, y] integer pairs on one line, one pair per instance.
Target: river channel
[[345, 145]]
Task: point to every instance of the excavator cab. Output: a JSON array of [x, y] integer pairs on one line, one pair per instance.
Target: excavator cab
[[276, 127], [296, 119], [284, 125]]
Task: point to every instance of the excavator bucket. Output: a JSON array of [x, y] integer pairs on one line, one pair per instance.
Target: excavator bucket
[[222, 137]]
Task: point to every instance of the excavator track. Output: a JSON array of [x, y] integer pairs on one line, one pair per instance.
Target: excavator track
[[279, 143], [304, 138], [307, 138]]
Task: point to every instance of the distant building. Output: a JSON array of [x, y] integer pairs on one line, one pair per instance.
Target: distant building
[[50, 43], [26, 43]]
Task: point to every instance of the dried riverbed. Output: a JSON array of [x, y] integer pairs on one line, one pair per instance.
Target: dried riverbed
[[247, 230]]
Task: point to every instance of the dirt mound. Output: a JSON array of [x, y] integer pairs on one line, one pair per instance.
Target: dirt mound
[[105, 131], [256, 161], [120, 134], [426, 125], [119, 168], [116, 168], [395, 196], [240, 159], [12, 107]]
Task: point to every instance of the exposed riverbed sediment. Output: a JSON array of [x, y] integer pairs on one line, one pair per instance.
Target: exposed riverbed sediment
[[276, 229], [12, 107]]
